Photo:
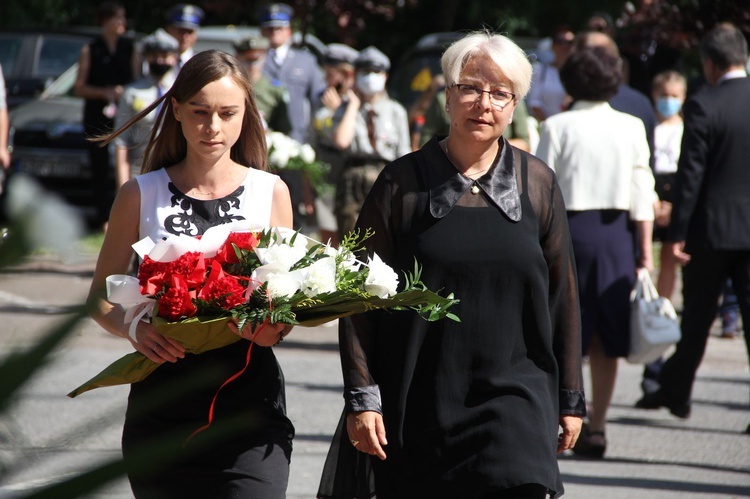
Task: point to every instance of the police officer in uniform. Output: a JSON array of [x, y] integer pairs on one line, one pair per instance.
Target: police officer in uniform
[[272, 100], [294, 68], [372, 131], [298, 71], [183, 22]]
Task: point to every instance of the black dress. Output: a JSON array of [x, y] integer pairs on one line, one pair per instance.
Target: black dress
[[247, 449], [471, 409]]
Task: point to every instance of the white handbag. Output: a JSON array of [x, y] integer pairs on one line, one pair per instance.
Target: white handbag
[[654, 326]]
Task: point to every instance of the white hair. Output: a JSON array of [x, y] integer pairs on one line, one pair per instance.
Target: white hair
[[509, 57]]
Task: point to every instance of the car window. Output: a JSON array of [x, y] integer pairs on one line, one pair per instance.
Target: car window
[[57, 54], [10, 46]]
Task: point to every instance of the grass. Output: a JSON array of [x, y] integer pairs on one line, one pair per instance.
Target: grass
[[92, 243]]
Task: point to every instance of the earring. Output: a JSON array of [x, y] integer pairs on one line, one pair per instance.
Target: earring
[[447, 109]]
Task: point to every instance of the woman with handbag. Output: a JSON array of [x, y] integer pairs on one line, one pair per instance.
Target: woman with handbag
[[601, 158]]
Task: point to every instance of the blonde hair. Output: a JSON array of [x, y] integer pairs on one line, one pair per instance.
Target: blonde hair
[[167, 145], [668, 76], [509, 57]]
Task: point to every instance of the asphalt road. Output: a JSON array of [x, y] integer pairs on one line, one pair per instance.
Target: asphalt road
[[46, 436]]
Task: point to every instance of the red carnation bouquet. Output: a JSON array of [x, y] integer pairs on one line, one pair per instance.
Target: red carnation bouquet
[[190, 287]]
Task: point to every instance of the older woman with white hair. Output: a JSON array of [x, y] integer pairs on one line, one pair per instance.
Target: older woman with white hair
[[477, 408]]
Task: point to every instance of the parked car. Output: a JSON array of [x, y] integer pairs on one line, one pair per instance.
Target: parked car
[[33, 58], [48, 143]]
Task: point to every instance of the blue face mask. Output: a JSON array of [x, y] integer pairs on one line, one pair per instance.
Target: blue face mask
[[668, 106]]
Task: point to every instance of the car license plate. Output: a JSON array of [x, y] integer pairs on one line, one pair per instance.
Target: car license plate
[[43, 167]]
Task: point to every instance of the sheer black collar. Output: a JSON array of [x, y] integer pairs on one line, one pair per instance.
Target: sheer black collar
[[447, 185]]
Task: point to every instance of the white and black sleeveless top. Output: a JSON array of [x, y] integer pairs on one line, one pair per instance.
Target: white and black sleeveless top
[[167, 211]]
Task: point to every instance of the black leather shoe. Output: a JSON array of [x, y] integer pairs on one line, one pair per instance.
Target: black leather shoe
[[585, 447], [656, 400]]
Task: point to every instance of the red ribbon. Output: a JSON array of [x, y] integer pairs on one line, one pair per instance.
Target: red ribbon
[[231, 378]]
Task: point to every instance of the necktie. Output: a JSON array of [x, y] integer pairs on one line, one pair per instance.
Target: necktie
[[371, 129], [275, 58]]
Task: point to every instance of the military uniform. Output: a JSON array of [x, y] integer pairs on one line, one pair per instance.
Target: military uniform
[[272, 100], [273, 104], [337, 56], [365, 158]]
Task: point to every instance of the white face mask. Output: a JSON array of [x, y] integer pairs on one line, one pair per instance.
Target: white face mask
[[370, 83]]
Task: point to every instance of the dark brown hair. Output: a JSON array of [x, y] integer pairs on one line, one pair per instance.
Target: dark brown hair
[[107, 10], [591, 74]]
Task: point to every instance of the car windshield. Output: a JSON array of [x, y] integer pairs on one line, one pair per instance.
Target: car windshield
[[57, 54]]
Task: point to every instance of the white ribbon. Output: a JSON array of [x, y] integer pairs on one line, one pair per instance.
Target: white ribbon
[[125, 290]]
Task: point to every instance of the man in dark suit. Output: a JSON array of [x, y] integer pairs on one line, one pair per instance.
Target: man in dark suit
[[710, 225]]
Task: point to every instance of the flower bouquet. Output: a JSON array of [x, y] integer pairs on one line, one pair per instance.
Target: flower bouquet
[[285, 153], [190, 287]]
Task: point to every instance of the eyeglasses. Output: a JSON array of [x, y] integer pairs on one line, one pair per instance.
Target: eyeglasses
[[470, 93]]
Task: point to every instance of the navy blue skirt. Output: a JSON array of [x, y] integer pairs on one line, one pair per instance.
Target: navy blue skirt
[[604, 247]]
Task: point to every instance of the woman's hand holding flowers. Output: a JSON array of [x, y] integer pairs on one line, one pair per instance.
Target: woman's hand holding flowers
[[264, 335], [155, 346]]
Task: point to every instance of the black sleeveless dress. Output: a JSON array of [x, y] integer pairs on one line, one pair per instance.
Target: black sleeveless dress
[[247, 449], [471, 409], [105, 69]]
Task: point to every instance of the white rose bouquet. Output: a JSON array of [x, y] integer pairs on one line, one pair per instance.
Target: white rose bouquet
[[285, 153]]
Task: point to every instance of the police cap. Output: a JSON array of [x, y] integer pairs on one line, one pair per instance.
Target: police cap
[[275, 15], [185, 15], [159, 41], [373, 59], [338, 53], [251, 43]]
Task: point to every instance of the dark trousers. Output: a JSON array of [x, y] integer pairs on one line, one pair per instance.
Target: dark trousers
[[703, 280]]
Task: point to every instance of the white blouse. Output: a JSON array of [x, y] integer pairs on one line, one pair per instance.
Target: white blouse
[[601, 158], [667, 142]]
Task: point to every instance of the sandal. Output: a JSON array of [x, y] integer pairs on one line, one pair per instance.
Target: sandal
[[585, 447]]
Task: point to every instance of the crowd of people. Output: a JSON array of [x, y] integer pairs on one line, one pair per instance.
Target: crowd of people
[[533, 192]]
